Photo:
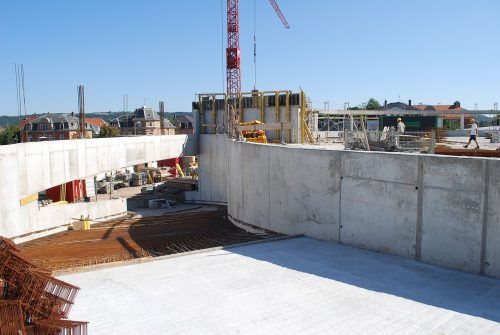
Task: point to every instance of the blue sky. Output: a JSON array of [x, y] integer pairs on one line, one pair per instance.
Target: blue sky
[[430, 51]]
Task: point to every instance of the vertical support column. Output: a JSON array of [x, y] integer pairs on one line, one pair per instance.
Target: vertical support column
[[240, 111], [277, 108], [225, 121], [301, 121], [202, 115], [261, 106], [288, 116], [462, 121], [433, 142]]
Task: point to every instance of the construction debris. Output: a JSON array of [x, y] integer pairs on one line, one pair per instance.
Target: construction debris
[[31, 300]]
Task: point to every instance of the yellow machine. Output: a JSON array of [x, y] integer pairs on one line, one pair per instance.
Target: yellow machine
[[256, 136]]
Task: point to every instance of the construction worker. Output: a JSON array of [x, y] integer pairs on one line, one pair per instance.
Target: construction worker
[[401, 126], [473, 134]]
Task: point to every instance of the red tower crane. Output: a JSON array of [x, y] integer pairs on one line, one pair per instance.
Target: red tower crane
[[233, 59]]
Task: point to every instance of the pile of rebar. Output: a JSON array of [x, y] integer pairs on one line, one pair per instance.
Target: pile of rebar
[[31, 300], [133, 238]]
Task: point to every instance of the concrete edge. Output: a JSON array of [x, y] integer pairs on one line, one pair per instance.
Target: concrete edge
[[134, 261], [247, 226], [201, 202], [59, 229], [39, 234]]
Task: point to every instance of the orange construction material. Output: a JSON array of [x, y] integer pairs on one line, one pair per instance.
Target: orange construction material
[[11, 318], [66, 327], [35, 292], [442, 150]]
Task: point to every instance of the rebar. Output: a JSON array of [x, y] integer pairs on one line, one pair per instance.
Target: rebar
[[126, 239]]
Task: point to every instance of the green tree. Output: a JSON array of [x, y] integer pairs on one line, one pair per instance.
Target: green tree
[[109, 131], [10, 135], [373, 104]]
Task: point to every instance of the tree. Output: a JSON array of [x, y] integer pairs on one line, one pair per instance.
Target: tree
[[109, 131], [10, 135], [373, 104]]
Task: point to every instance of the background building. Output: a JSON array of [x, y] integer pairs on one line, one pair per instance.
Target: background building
[[144, 121], [50, 127], [184, 125]]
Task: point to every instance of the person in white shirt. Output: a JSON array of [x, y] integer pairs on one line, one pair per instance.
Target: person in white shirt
[[473, 134], [400, 126]]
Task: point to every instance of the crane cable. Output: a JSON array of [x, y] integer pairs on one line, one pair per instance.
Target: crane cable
[[255, 44]]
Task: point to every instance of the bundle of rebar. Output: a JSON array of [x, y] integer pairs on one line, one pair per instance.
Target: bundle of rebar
[[11, 317], [31, 300], [56, 327]]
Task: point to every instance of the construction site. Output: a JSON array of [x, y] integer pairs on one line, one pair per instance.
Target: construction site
[[271, 216]]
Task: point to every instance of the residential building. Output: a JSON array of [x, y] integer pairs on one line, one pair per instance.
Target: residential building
[[450, 121], [184, 125], [144, 121], [50, 127], [96, 123]]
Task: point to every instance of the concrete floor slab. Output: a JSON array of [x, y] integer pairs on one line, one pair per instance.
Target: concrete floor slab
[[301, 286]]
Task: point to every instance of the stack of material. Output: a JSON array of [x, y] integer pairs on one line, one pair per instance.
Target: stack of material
[[32, 301], [139, 179], [256, 136], [446, 150]]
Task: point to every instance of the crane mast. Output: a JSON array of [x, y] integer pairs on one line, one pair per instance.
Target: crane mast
[[233, 71], [233, 75]]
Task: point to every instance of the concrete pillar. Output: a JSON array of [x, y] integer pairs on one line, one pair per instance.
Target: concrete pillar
[[462, 121]]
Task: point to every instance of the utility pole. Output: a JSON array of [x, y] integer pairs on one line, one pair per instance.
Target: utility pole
[[495, 108], [162, 118], [81, 109]]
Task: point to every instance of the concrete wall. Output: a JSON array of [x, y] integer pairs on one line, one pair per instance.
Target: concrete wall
[[251, 114], [212, 171], [40, 221], [438, 209], [29, 168]]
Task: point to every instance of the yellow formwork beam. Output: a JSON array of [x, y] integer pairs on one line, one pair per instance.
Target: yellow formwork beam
[[261, 101], [288, 116], [302, 116], [202, 115], [28, 199], [277, 106]]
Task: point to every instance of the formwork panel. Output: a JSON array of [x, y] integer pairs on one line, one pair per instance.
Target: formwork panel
[[379, 216], [451, 228]]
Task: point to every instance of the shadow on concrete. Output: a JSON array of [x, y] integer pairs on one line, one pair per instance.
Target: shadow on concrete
[[408, 279]]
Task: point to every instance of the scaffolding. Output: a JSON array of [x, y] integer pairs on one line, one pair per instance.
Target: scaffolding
[[284, 116]]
